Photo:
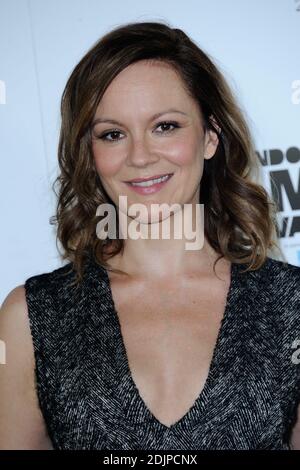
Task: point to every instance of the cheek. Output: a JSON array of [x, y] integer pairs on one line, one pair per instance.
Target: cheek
[[106, 163], [185, 152]]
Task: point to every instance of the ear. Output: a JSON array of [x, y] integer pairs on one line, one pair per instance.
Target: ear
[[211, 140]]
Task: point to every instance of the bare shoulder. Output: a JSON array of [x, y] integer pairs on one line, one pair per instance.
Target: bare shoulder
[[14, 325], [15, 296], [21, 422]]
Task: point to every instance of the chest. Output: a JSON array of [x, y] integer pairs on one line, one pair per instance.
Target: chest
[[169, 335]]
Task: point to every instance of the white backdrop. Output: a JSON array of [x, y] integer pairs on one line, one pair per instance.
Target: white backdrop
[[255, 43]]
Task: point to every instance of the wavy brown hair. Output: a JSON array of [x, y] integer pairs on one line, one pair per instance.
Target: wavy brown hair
[[239, 218]]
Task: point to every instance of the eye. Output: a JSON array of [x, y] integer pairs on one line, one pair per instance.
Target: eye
[[106, 134], [168, 124]]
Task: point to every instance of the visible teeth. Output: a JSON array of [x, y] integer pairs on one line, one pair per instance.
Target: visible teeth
[[150, 182]]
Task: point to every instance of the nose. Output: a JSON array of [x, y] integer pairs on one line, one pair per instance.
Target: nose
[[140, 153]]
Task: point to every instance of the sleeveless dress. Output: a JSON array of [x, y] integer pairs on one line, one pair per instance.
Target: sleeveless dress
[[86, 392]]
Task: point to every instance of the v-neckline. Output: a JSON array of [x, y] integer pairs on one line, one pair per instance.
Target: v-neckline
[[210, 383]]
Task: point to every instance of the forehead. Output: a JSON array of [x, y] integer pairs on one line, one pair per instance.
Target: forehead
[[146, 82]]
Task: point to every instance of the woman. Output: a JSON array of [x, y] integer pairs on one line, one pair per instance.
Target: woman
[[141, 343]]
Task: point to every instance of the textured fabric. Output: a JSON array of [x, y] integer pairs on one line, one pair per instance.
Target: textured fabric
[[89, 399]]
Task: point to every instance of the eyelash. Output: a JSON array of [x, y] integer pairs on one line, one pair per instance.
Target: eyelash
[[168, 123]]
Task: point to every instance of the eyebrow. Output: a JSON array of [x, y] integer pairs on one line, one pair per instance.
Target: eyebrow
[[155, 116]]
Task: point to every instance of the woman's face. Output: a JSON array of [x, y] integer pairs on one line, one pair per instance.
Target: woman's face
[[158, 130]]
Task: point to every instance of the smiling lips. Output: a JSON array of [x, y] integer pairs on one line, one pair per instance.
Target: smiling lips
[[147, 185], [147, 178]]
